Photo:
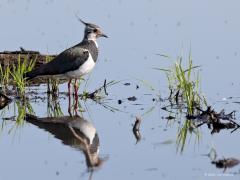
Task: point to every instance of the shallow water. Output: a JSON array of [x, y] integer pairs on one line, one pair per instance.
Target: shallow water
[[138, 31]]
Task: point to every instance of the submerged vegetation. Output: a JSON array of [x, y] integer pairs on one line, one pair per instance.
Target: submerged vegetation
[[20, 109], [184, 84], [186, 97]]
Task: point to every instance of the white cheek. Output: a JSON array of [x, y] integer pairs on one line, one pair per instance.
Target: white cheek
[[93, 38]]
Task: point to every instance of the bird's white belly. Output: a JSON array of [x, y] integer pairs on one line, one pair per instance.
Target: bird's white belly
[[84, 69]]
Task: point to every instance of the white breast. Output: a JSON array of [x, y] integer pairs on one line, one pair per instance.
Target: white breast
[[84, 69]]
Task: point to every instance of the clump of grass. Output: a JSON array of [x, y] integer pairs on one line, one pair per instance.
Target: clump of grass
[[19, 70], [188, 87], [184, 83], [4, 77], [13, 74]]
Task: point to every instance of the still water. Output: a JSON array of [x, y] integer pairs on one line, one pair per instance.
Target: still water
[[138, 31]]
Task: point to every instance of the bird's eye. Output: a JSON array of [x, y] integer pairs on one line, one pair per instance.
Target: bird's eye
[[95, 30]]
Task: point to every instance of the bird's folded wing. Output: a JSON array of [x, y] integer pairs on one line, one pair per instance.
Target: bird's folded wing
[[68, 60]]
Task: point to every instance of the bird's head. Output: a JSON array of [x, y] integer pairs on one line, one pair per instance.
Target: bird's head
[[92, 31]]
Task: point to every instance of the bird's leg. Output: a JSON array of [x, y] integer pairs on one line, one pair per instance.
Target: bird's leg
[[69, 98], [76, 87], [76, 97], [69, 86]]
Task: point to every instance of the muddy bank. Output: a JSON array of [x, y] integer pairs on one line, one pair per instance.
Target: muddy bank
[[10, 58]]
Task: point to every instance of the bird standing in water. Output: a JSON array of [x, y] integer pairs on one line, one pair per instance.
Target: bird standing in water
[[75, 62]]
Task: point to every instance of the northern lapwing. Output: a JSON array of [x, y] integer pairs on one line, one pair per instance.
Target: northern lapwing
[[75, 62]]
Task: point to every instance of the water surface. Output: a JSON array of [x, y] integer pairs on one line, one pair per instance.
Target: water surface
[[138, 31]]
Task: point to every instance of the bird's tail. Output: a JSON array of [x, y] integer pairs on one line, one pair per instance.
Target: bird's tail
[[31, 74]]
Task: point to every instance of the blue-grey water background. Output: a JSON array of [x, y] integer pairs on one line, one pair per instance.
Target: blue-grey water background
[[138, 31]]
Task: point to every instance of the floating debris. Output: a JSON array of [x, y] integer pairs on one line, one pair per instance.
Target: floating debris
[[95, 94], [119, 101], [214, 120], [164, 108], [136, 130], [133, 98], [177, 96], [226, 163], [127, 84], [151, 169], [170, 117], [163, 143], [4, 100]]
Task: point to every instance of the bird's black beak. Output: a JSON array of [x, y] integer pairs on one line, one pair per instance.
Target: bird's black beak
[[101, 34], [104, 35]]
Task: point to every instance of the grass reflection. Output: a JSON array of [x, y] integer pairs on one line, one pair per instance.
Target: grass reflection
[[187, 129], [185, 97]]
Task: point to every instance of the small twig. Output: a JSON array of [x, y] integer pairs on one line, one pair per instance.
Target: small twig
[[104, 86], [235, 129], [230, 120], [199, 109], [92, 95], [165, 109], [176, 96], [171, 92], [199, 125]]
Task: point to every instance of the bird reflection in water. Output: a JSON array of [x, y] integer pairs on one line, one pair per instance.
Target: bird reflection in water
[[75, 132]]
